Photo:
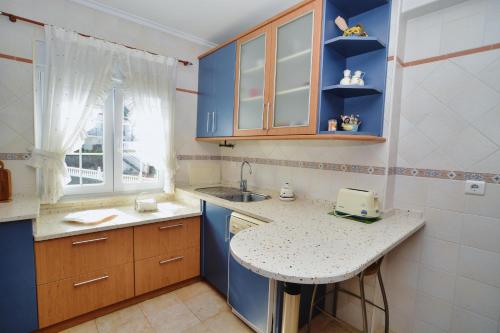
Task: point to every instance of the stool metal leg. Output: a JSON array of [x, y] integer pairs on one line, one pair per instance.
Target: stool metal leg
[[384, 298], [363, 302], [335, 298], [311, 308]]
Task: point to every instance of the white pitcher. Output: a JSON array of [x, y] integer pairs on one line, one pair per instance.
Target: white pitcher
[[357, 78]]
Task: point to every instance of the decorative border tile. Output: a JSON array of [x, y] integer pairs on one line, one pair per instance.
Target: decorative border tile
[[15, 156], [354, 168]]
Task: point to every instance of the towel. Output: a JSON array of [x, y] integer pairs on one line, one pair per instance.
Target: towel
[[91, 216]]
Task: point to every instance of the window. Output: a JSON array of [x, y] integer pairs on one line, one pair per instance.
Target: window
[[108, 160]]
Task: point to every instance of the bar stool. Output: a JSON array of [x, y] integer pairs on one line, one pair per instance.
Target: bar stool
[[371, 270]]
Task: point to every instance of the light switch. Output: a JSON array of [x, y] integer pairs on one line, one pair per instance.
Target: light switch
[[474, 187]]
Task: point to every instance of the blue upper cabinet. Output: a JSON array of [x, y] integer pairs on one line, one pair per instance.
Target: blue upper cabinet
[[216, 93], [18, 307]]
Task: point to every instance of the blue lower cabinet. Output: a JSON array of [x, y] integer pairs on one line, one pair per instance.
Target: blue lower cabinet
[[18, 305], [249, 296], [215, 245]]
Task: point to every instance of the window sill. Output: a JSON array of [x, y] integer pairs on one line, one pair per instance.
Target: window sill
[[105, 200]]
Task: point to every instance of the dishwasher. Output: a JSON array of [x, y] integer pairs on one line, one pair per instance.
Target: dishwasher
[[251, 296]]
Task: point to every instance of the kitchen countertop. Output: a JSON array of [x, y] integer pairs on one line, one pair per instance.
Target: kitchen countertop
[[303, 244], [52, 226], [22, 207]]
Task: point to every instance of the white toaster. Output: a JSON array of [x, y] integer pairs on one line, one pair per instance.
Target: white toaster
[[357, 203]]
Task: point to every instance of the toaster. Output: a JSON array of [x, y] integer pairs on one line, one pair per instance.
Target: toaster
[[357, 203]]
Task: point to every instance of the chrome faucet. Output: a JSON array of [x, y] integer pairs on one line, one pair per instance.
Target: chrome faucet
[[243, 182]]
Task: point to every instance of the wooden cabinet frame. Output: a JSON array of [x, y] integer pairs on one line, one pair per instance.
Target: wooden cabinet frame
[[266, 32], [316, 9], [270, 32]]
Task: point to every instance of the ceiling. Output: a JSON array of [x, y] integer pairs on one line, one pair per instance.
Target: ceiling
[[207, 22]]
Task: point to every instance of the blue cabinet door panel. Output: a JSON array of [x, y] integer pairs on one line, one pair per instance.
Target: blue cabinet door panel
[[216, 77], [216, 245], [18, 307], [225, 65], [205, 97], [249, 295]]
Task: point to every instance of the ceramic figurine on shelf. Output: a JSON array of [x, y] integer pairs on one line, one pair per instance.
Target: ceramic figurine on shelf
[[357, 30], [346, 80], [357, 78], [350, 123]]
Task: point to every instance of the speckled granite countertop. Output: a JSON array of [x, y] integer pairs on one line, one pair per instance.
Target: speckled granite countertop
[[51, 226], [22, 207], [304, 244]]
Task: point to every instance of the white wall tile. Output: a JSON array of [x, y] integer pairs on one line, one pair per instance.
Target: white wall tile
[[478, 297], [462, 33], [443, 224], [433, 311], [423, 327], [440, 254], [481, 232], [486, 205], [437, 283], [446, 194], [464, 321], [487, 124], [479, 265]]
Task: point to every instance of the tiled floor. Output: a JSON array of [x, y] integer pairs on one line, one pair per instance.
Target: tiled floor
[[193, 309]]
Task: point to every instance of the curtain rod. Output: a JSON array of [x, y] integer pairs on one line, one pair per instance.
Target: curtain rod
[[13, 18]]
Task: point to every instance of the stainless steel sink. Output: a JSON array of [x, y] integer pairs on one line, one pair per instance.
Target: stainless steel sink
[[233, 194]]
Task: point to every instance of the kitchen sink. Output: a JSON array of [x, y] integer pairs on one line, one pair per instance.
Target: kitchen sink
[[233, 194]]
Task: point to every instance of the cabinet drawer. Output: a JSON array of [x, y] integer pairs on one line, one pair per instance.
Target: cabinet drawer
[[62, 258], [68, 298], [162, 271], [164, 237]]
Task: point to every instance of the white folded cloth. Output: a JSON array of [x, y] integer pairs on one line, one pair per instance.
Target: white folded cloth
[[91, 216]]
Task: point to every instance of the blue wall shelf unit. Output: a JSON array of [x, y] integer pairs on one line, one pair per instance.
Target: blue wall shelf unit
[[368, 54]]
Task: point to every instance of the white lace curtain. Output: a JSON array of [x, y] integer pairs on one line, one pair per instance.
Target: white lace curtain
[[150, 97], [79, 76]]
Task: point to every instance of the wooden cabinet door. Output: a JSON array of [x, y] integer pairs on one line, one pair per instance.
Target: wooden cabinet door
[[294, 58], [165, 237], [68, 298], [252, 81], [81, 254]]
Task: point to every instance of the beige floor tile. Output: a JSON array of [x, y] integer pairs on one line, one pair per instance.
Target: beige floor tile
[[319, 324], [175, 317], [227, 322], [88, 327], [207, 305], [159, 304], [130, 319], [200, 328], [193, 290]]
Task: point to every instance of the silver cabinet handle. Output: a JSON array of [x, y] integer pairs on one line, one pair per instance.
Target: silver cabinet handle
[[208, 121], [171, 226], [166, 261], [89, 241], [78, 284], [213, 122], [226, 232]]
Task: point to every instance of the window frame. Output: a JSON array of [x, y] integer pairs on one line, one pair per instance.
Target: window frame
[[112, 141]]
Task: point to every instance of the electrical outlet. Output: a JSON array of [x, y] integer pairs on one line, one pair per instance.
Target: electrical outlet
[[474, 187]]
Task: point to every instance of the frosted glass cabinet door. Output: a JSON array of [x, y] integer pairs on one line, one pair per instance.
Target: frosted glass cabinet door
[[251, 84], [294, 88]]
